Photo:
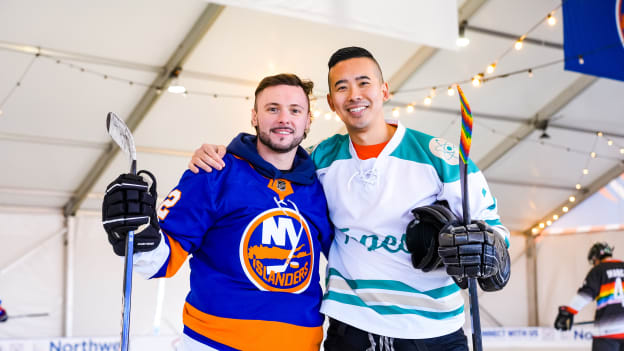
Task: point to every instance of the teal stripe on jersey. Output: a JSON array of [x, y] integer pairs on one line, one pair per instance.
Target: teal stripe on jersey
[[394, 286], [415, 147], [381, 309], [331, 149]]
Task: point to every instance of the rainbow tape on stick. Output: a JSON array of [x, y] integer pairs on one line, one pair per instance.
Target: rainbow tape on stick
[[466, 127]]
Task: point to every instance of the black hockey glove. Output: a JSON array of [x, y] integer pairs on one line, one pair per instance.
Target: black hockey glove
[[129, 204], [564, 319], [421, 234], [471, 251]]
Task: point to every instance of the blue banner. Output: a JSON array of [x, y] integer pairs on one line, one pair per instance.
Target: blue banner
[[593, 37]]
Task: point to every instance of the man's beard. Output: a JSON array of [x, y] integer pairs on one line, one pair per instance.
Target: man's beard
[[266, 140]]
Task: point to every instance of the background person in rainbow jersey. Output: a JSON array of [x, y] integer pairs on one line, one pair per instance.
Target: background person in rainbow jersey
[[602, 284]]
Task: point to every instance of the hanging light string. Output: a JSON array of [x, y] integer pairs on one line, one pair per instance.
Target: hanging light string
[[518, 43], [19, 82], [551, 144]]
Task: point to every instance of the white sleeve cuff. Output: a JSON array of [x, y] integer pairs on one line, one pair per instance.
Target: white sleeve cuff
[[579, 301], [149, 263]]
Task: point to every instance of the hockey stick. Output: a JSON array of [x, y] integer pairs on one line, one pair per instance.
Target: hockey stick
[[29, 315], [464, 151], [120, 133]]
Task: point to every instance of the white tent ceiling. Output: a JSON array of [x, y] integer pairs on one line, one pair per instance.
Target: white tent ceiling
[[52, 126]]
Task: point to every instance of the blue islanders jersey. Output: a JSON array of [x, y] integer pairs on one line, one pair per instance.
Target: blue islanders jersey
[[254, 244]]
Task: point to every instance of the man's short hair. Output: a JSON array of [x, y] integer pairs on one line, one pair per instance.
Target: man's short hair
[[284, 79], [349, 53]]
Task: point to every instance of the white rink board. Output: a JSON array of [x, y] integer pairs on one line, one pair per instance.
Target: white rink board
[[493, 338], [152, 343]]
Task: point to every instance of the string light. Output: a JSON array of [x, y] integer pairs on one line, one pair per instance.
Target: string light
[[578, 186], [316, 114], [328, 116], [432, 92], [410, 108], [490, 69], [395, 112], [534, 230], [592, 154], [555, 217], [427, 101], [450, 91], [585, 171], [599, 134], [551, 20], [541, 225], [336, 117], [581, 61], [565, 209], [572, 198], [610, 142], [476, 80], [622, 150], [518, 44], [530, 72], [548, 223]]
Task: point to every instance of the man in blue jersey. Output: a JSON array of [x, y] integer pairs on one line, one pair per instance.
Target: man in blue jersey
[[254, 232], [374, 178]]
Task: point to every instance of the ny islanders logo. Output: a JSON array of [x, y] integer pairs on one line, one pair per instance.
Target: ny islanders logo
[[276, 251]]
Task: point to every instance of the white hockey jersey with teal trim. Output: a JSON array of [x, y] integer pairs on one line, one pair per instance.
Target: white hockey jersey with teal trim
[[371, 283]]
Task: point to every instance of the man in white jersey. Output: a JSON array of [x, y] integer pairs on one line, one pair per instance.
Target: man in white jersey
[[373, 178]]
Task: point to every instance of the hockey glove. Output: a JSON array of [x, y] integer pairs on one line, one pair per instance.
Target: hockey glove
[[129, 204], [564, 319], [421, 234], [471, 251]]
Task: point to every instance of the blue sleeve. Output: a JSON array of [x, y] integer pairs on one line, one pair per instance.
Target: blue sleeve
[[189, 210]]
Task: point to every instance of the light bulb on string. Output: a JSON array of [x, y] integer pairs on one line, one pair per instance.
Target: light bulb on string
[[427, 101], [572, 198], [555, 217], [534, 230], [490, 69], [450, 91], [610, 142], [581, 60], [328, 116], [551, 20], [410, 108], [592, 154], [518, 44], [578, 186], [530, 72], [599, 134], [336, 117], [462, 40], [548, 222], [542, 225], [476, 80], [316, 113], [585, 171], [565, 209], [432, 92], [622, 150], [395, 112]]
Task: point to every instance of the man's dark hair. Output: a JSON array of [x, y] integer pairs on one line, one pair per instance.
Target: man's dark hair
[[349, 53], [284, 79]]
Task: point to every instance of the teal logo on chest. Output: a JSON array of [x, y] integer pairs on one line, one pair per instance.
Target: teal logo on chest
[[373, 242]]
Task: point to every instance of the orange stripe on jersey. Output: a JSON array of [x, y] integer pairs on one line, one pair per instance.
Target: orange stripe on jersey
[[263, 335], [176, 257], [606, 289]]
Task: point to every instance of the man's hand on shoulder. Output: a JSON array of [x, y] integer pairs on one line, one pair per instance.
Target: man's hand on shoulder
[[207, 157]]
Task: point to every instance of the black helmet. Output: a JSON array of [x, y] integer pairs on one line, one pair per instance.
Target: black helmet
[[600, 251]]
